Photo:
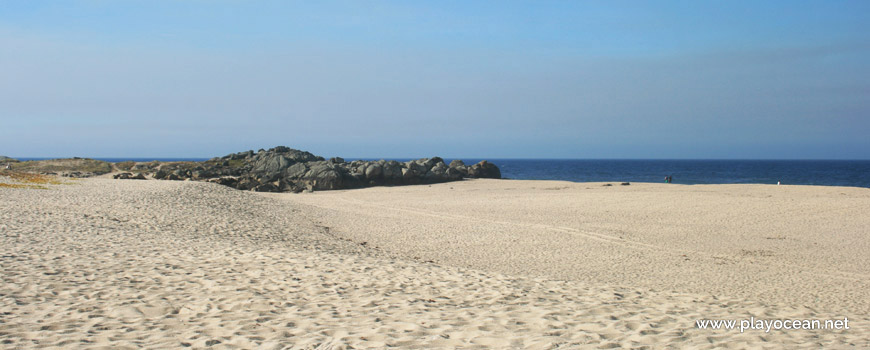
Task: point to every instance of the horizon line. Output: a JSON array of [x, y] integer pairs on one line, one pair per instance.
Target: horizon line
[[460, 158]]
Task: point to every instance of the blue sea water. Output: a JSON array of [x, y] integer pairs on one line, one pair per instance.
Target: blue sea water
[[855, 173], [116, 160]]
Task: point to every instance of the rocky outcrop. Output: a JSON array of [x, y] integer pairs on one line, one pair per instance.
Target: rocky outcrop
[[5, 159], [129, 176], [283, 169]]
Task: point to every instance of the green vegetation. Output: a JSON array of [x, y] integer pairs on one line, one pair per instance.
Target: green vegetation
[[236, 163], [180, 165], [232, 163], [127, 166], [83, 165]]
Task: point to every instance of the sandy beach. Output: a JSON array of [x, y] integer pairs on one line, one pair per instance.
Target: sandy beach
[[113, 264]]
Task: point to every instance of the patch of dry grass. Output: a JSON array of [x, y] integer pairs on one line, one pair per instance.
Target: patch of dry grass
[[38, 187], [29, 180], [84, 165], [126, 165]]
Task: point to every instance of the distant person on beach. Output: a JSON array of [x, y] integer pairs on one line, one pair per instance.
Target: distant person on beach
[[668, 179]]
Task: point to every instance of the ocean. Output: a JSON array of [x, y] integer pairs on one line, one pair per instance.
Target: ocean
[[855, 173], [788, 172]]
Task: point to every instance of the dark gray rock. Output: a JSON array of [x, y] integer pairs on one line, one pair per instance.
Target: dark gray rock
[[373, 171], [408, 173], [240, 155], [392, 171], [437, 173], [226, 181], [127, 176], [323, 175], [454, 174], [266, 187], [283, 169], [247, 183], [160, 174], [296, 171], [271, 163], [462, 170], [295, 154], [484, 169], [419, 167]]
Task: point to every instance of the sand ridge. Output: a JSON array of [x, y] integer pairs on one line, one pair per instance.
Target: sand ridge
[[161, 264]]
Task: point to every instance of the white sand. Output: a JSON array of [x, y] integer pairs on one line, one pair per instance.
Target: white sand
[[804, 245], [160, 264]]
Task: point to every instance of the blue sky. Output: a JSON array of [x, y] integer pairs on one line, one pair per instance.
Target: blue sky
[[475, 79]]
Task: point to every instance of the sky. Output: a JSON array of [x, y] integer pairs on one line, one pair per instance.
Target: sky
[[409, 79]]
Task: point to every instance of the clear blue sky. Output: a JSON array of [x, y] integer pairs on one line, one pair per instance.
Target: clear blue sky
[[495, 79]]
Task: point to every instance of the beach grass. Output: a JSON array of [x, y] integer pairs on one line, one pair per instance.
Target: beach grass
[[84, 165], [20, 179]]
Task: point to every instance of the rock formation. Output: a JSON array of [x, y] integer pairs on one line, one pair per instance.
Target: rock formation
[[129, 176], [283, 169]]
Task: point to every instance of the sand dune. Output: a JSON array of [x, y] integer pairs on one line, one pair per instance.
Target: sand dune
[[805, 245], [158, 264]]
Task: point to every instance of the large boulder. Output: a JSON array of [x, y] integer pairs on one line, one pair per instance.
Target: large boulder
[[484, 169], [392, 171], [410, 176], [324, 175], [454, 174], [374, 171], [296, 171], [457, 169], [128, 176], [419, 167], [438, 173], [271, 163], [161, 174]]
